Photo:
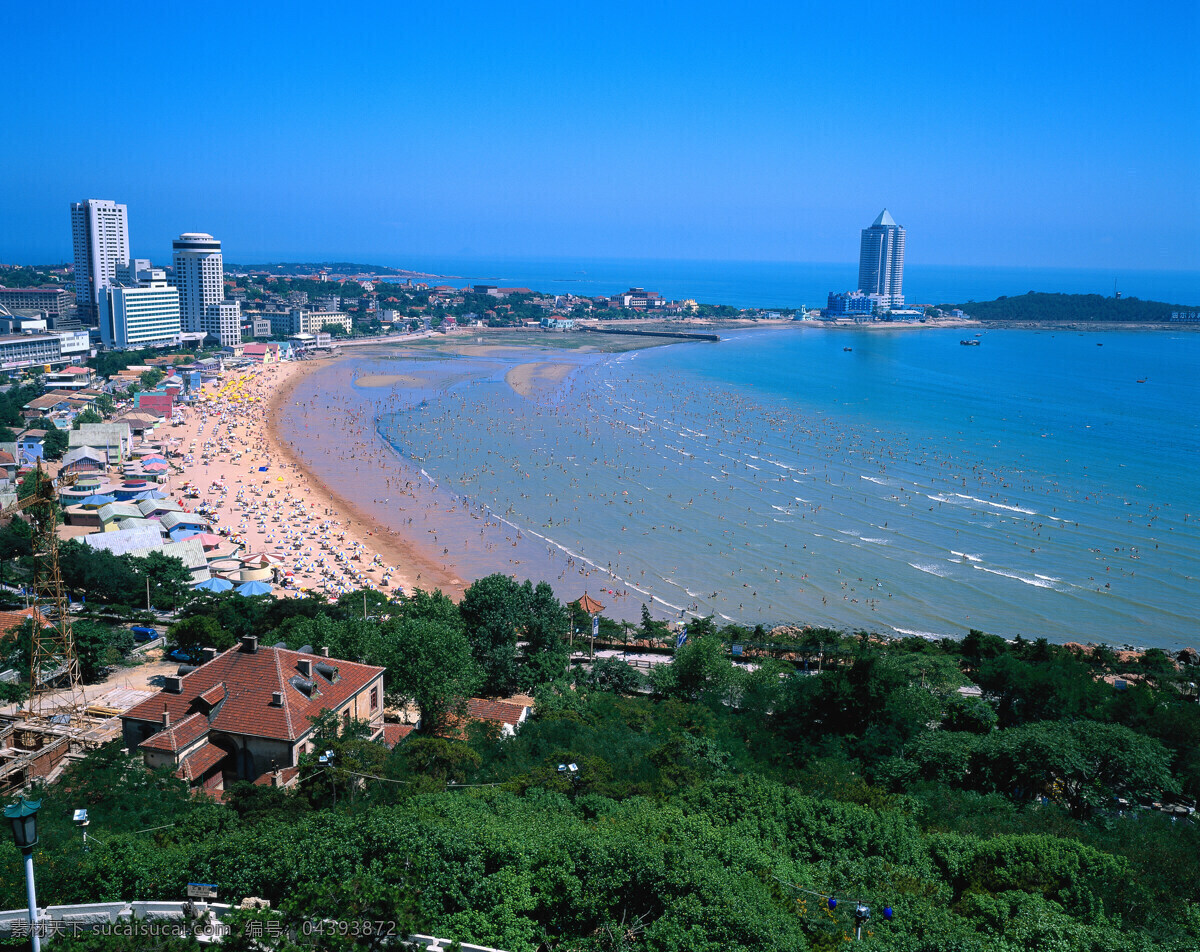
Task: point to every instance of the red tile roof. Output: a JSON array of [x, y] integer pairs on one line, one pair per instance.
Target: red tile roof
[[11, 621], [250, 679], [394, 733], [286, 776], [500, 711], [214, 695], [179, 735], [199, 761]]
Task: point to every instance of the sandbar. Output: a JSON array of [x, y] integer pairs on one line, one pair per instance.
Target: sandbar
[[528, 379]]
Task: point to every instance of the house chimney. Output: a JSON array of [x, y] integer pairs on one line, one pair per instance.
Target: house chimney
[[207, 655], [250, 644], [173, 685], [324, 652], [166, 718], [305, 666], [276, 699]]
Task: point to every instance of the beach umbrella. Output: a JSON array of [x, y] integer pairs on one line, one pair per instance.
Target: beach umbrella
[[254, 588], [213, 585]]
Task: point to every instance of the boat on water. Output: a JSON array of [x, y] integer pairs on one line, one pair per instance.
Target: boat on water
[[969, 343], [847, 348]]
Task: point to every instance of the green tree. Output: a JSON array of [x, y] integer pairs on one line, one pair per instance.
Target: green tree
[[199, 631], [151, 378], [547, 626], [56, 444], [429, 664], [99, 647], [700, 671], [613, 674], [87, 415], [169, 579], [495, 610]]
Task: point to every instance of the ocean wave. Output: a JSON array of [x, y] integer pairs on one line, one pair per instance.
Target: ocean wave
[[998, 505], [967, 555], [930, 568], [930, 635], [1037, 580]]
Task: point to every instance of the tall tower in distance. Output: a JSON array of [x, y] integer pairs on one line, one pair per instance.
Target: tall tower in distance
[[881, 261], [200, 278], [100, 235]]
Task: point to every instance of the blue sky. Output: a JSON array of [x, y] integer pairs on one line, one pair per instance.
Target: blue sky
[[1055, 134]]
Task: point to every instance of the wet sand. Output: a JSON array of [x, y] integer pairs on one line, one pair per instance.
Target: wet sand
[[528, 379], [415, 569]]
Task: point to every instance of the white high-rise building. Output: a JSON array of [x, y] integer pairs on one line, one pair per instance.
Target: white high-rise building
[[200, 278], [100, 234], [881, 261]]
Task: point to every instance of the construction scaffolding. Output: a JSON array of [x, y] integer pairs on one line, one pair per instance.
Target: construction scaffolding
[[36, 741]]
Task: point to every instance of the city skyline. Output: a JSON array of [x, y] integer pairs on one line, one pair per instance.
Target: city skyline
[[1007, 137]]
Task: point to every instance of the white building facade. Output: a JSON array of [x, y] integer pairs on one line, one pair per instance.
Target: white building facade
[[100, 235], [200, 279], [881, 261], [143, 316]]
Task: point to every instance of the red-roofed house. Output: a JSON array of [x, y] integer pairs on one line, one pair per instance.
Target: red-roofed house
[[262, 353], [506, 715], [394, 733], [11, 622], [246, 714]]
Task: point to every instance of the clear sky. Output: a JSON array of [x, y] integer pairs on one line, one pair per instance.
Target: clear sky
[[1048, 133]]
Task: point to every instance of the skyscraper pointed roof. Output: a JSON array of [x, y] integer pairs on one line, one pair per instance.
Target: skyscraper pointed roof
[[885, 219]]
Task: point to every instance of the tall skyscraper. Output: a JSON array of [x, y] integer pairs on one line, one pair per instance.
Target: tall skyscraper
[[200, 278], [100, 234], [881, 261]]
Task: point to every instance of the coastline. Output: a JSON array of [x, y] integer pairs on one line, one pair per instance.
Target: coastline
[[523, 375], [415, 569]]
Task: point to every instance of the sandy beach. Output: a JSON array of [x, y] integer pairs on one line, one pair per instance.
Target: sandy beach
[[237, 470]]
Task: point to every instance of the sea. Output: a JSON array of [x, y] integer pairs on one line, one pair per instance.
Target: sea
[[791, 284], [1042, 483]]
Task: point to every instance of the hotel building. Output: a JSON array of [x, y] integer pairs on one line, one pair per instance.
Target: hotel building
[[881, 261], [200, 278]]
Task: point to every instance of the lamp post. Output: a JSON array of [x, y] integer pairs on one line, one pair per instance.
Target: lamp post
[[23, 816]]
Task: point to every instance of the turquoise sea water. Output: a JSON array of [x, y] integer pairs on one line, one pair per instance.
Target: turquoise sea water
[[792, 283], [860, 478]]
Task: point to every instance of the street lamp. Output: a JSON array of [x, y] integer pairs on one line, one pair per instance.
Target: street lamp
[[326, 759], [571, 771], [23, 816]]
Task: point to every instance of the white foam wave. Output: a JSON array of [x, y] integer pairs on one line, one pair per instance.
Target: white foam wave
[[932, 635], [930, 568], [1036, 581]]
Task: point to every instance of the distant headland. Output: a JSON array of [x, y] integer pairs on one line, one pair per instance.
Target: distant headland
[[1038, 307]]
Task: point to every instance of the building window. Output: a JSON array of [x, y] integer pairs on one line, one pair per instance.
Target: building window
[[346, 718], [375, 698]]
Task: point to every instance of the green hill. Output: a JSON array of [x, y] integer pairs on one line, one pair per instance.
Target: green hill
[[1076, 308]]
